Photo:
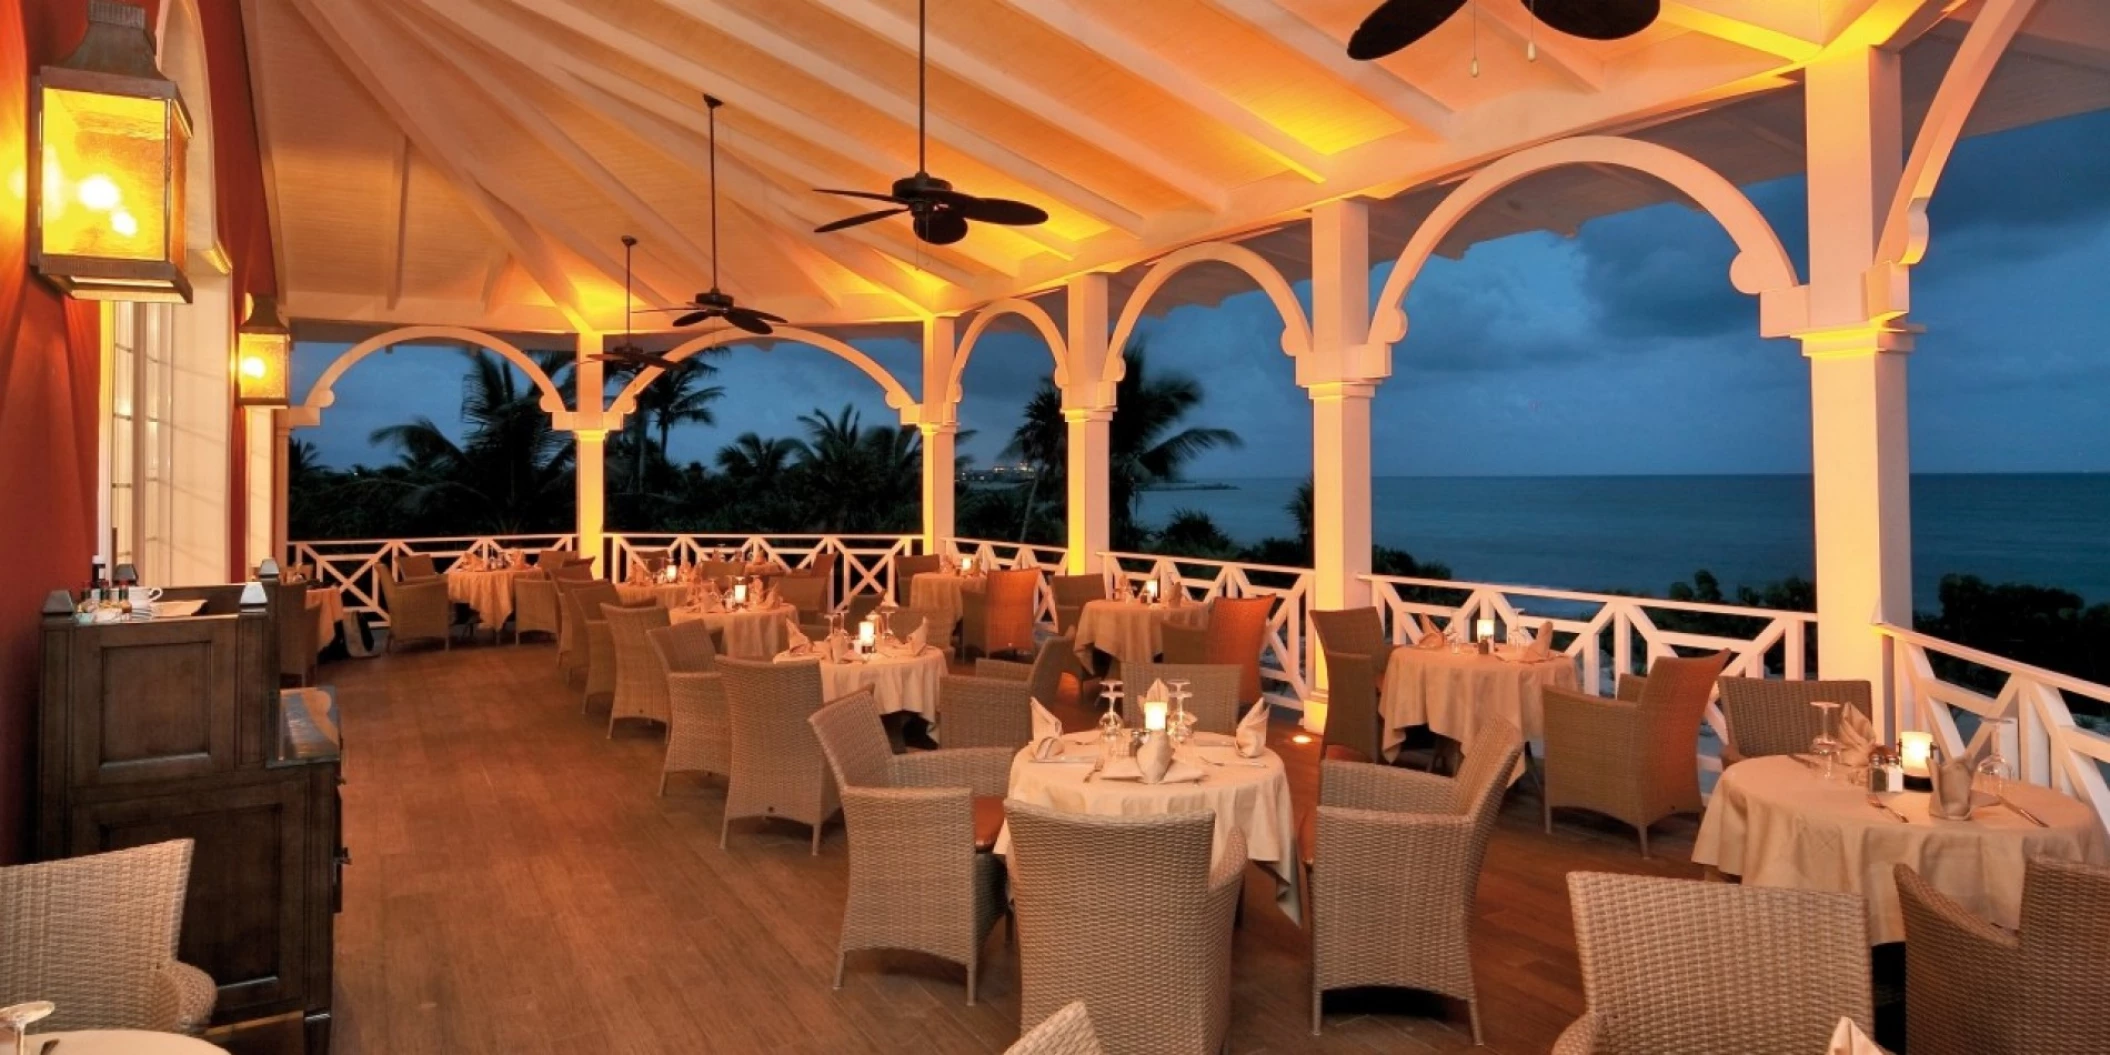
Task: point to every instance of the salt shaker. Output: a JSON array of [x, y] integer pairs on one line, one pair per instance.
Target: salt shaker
[[1886, 770]]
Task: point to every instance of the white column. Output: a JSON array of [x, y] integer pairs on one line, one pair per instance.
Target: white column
[[281, 486], [590, 435], [938, 419], [1861, 469], [1340, 373], [1088, 407]]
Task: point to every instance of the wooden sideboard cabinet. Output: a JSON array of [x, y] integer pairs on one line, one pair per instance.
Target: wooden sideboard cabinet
[[176, 729]]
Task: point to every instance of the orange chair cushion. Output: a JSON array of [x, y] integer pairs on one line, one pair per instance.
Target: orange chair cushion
[[988, 820]]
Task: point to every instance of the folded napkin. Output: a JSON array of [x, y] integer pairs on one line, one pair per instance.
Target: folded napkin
[[795, 640], [1157, 691], [1541, 642], [1848, 1039], [1252, 731], [1129, 769], [1430, 636], [918, 637], [1951, 777], [1047, 732], [1856, 735]]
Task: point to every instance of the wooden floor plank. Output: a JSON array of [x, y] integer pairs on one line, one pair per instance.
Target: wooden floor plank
[[517, 885]]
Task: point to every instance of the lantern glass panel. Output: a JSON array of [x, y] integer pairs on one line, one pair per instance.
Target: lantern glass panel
[[112, 165]]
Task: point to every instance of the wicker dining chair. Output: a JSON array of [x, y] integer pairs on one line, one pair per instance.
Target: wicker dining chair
[[596, 649], [907, 568], [860, 605], [686, 648], [96, 935], [1354, 731], [1057, 656], [904, 622], [777, 766], [651, 562], [1359, 631], [984, 712], [1683, 967], [549, 560], [297, 632], [921, 826], [1772, 716], [1631, 759], [571, 623], [1972, 988], [1235, 634], [1157, 980], [1066, 1032], [1214, 703], [535, 608], [410, 566], [822, 566], [576, 570], [1072, 593], [1394, 867], [1000, 617], [640, 677], [418, 610], [807, 592], [699, 732]]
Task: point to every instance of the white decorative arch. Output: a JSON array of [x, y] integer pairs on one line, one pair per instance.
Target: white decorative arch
[[1761, 268], [1023, 308], [897, 396], [323, 394], [1296, 327]]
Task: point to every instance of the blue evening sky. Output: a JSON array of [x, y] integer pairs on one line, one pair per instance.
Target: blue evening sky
[[1621, 350]]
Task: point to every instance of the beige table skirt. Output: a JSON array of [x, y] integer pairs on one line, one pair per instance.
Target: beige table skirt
[[753, 633], [1131, 631], [1451, 692]]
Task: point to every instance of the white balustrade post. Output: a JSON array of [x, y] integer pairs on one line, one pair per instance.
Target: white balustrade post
[[1340, 373], [1860, 470], [938, 420], [589, 458], [1088, 407]]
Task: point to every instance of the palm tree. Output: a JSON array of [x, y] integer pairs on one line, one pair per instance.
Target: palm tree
[[1039, 441], [752, 461], [676, 400], [511, 472]]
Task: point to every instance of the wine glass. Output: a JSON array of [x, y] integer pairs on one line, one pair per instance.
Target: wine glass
[[17, 1019], [1110, 723], [1182, 722], [1994, 770], [1826, 743]]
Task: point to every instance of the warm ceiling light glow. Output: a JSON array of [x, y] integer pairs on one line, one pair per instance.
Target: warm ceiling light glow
[[264, 349], [253, 366], [107, 200]]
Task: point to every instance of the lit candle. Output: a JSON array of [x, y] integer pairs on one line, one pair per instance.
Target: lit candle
[[966, 565], [867, 634], [1915, 749], [1150, 591], [1484, 629], [739, 593], [1154, 715]]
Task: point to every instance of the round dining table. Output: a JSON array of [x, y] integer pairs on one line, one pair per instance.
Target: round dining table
[[1452, 689], [1249, 795], [114, 1042], [327, 602], [940, 592], [899, 681], [749, 633], [1778, 822], [1132, 631], [488, 592]]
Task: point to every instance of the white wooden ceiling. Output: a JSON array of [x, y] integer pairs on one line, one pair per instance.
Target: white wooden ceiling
[[477, 161]]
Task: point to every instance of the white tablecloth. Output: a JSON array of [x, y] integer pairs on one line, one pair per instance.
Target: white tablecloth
[[664, 594], [1131, 631], [750, 633], [488, 593], [940, 592], [1776, 823], [899, 683], [1253, 800], [114, 1042], [327, 602], [1450, 692]]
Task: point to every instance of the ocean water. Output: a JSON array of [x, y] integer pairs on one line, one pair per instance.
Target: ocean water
[[1645, 532]]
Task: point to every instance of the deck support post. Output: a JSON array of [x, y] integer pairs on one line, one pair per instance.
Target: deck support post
[[1088, 408]]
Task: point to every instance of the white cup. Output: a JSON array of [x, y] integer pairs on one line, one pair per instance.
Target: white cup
[[143, 598]]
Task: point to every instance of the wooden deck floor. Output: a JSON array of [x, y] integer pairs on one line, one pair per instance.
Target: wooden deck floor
[[517, 887]]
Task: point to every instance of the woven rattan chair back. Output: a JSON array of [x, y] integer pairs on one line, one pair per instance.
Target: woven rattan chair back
[[1072, 593], [904, 621], [92, 933], [863, 604], [777, 766], [854, 741], [822, 566], [806, 592], [2065, 924], [685, 648], [984, 712], [721, 572], [1066, 1032], [1357, 630], [1155, 981], [699, 738], [907, 568], [418, 610], [1351, 706], [1215, 703], [535, 606], [1236, 632], [1771, 716], [640, 677], [576, 571], [1675, 965], [645, 563], [549, 560], [1006, 611], [411, 566]]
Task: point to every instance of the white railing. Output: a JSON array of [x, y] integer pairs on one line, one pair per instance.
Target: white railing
[[2044, 743], [1605, 629], [865, 563], [355, 564], [1010, 555], [1285, 656]]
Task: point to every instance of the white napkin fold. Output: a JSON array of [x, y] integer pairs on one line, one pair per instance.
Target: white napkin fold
[[1157, 691], [1848, 1039], [1541, 642], [1128, 769], [918, 637], [1430, 637], [1856, 735], [1252, 731], [1047, 732], [795, 640]]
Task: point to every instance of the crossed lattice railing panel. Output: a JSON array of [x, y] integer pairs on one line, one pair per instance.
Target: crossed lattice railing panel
[[1933, 682], [864, 563], [1285, 656], [354, 565]]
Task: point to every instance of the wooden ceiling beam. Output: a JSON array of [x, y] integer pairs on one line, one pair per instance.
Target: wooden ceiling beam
[[1090, 31], [1779, 43], [1422, 113], [398, 221]]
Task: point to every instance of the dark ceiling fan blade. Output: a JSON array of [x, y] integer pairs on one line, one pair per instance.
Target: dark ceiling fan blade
[[1398, 23], [678, 307], [863, 194], [1597, 19], [763, 315], [693, 318], [853, 221], [748, 320], [994, 210], [941, 228]]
